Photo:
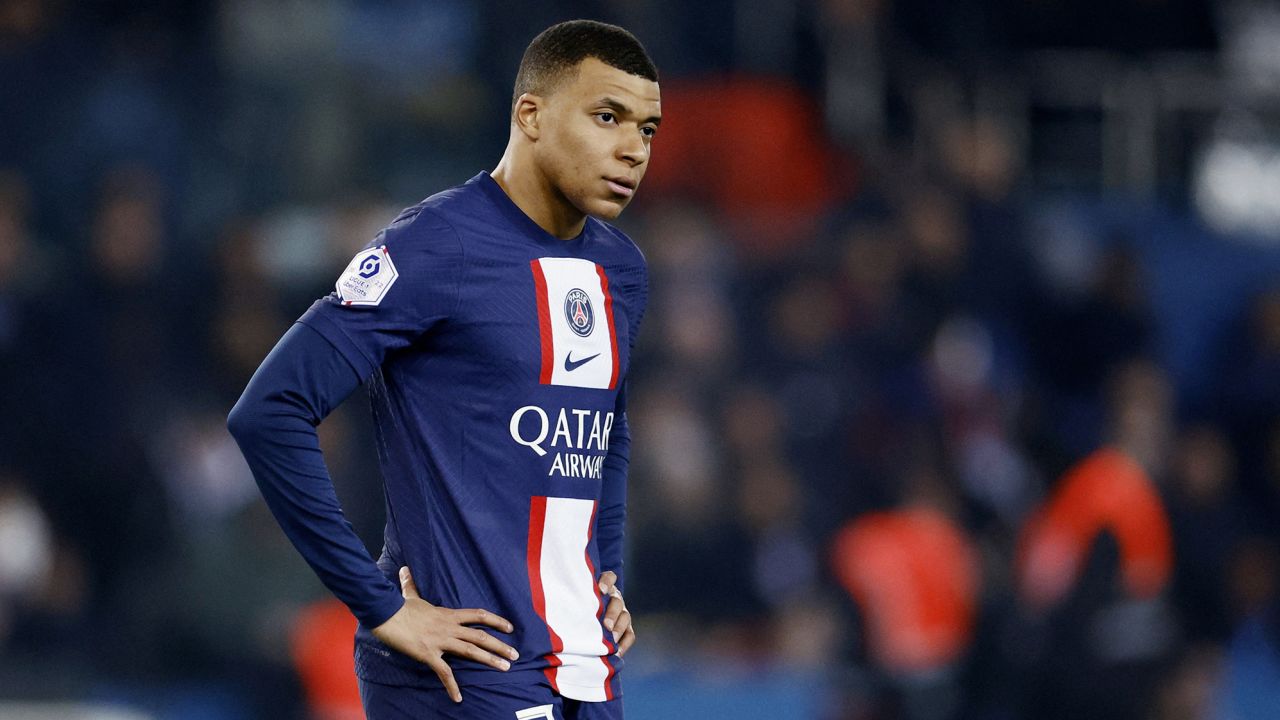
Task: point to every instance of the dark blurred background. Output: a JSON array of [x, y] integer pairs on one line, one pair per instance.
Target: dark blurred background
[[958, 397]]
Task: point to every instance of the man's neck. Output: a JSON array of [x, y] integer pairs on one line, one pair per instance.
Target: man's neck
[[537, 197]]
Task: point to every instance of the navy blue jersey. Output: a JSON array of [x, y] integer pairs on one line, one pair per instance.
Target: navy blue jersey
[[495, 356]]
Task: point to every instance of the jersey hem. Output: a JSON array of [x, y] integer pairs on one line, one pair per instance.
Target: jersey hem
[[592, 690]]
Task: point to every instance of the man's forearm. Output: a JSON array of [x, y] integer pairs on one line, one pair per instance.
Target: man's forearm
[[611, 519], [274, 423]]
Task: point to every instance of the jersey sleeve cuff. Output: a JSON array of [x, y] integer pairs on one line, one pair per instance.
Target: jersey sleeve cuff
[[380, 611]]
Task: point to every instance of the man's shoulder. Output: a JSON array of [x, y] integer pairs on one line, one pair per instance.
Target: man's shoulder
[[440, 209], [628, 270], [433, 219], [461, 199], [629, 251]]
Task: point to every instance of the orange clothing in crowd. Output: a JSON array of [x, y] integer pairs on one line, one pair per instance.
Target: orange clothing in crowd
[[322, 646], [915, 576], [1106, 491], [754, 148]]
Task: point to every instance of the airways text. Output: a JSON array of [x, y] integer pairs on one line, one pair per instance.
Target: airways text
[[574, 430]]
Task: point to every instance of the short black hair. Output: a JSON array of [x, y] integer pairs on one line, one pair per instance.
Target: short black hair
[[561, 47]]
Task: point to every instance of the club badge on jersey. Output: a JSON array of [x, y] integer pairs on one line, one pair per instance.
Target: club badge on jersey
[[579, 345], [367, 278]]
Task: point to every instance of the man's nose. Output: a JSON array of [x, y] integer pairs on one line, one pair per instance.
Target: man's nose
[[634, 151]]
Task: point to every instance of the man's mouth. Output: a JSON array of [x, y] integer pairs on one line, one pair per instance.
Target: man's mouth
[[620, 185]]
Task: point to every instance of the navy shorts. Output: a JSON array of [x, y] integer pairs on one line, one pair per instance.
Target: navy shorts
[[481, 702]]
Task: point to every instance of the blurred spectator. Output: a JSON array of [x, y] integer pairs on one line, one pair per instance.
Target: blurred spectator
[[1251, 683], [1088, 337], [915, 576], [43, 591], [130, 297], [27, 281], [1207, 525], [976, 400], [1249, 394], [692, 540], [1108, 492], [245, 317], [28, 551], [871, 263], [691, 314], [1093, 565], [1080, 338], [856, 92], [1140, 414], [808, 370]]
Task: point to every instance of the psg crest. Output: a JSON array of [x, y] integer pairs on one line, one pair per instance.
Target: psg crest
[[577, 310]]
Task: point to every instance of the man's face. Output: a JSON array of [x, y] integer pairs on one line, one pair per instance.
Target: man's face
[[596, 131]]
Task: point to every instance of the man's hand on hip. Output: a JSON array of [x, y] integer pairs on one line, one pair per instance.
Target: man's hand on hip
[[426, 632], [616, 617]]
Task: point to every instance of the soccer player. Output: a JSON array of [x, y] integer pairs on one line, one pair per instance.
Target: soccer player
[[492, 324]]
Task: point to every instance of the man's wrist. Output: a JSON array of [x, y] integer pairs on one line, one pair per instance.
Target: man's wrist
[[381, 611]]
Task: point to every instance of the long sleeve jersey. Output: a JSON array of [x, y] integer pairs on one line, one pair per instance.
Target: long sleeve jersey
[[495, 356]]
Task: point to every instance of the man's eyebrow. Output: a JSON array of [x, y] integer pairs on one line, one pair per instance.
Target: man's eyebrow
[[624, 110]]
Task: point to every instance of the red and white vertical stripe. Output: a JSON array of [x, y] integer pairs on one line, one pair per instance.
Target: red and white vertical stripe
[[565, 353], [565, 595]]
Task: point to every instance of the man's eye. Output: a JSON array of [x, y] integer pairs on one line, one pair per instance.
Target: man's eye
[[649, 131], [606, 116]]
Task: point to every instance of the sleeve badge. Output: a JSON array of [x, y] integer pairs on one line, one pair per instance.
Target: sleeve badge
[[368, 278]]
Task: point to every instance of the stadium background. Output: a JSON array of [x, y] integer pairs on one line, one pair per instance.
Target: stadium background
[[912, 263]]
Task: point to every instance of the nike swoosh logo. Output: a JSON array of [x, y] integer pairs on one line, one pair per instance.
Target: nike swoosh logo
[[570, 364]]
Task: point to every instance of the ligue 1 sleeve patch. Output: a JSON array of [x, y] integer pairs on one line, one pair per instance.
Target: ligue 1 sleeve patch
[[368, 278]]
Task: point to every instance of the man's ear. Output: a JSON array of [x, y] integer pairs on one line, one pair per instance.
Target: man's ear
[[528, 114]]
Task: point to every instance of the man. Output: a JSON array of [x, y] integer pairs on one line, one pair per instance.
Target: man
[[493, 324]]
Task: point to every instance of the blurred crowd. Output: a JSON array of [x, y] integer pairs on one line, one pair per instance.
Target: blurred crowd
[[900, 420]]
